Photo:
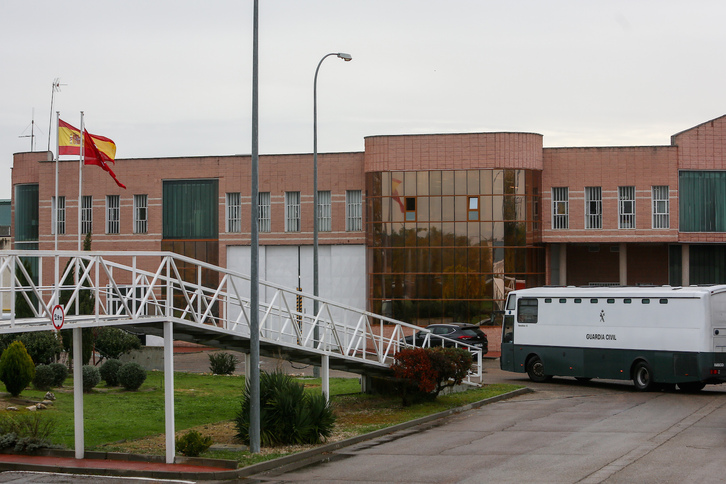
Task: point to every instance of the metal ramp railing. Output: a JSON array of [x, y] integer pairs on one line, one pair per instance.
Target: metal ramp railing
[[206, 303]]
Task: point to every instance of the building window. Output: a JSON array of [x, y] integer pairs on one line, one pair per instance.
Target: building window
[[113, 214], [233, 209], [87, 214], [292, 211], [593, 207], [410, 209], [353, 210], [626, 207], [58, 214], [661, 207], [560, 207], [141, 214], [324, 221], [263, 211], [473, 209]]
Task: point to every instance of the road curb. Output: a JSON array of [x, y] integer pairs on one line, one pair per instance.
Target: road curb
[[318, 454]]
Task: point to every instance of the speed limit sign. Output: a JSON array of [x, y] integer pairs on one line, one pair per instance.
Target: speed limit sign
[[58, 316]]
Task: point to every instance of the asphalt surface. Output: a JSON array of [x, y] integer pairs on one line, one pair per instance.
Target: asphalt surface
[[563, 432]]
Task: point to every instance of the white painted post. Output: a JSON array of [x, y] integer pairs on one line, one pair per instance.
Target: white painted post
[[325, 367], [169, 390], [78, 392]]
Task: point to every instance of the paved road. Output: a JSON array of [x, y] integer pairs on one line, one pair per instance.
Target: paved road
[[564, 432]]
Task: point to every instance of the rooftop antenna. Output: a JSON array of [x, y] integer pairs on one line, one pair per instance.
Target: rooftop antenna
[[32, 132], [56, 88]]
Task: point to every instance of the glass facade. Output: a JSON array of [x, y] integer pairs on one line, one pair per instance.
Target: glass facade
[[435, 254]]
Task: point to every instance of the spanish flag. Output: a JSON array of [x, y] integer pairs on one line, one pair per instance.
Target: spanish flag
[[98, 150]]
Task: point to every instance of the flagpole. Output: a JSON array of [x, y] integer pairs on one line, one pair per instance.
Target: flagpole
[[57, 148], [80, 182]]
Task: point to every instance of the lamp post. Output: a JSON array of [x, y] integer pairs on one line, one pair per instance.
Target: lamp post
[[345, 57]]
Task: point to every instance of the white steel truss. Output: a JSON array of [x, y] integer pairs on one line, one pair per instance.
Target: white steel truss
[[137, 288], [175, 296]]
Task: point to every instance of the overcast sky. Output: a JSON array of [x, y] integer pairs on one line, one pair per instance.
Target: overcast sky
[[173, 78]]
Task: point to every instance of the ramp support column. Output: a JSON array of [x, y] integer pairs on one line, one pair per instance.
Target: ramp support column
[[326, 376], [169, 390], [78, 392]]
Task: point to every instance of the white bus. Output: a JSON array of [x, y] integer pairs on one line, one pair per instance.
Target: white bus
[[655, 336]]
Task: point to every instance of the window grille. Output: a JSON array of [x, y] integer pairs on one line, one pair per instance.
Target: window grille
[[87, 214], [626, 207], [324, 219], [661, 207], [58, 212], [353, 210], [292, 211], [263, 211], [141, 213], [593, 207], [234, 217], [113, 214], [560, 208]]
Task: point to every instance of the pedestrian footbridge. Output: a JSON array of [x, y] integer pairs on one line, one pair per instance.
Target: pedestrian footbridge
[[177, 297]]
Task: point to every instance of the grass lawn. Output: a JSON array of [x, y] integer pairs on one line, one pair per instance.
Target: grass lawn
[[123, 421]]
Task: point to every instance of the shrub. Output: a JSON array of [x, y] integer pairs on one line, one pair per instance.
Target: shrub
[[193, 443], [26, 431], [60, 373], [91, 377], [44, 347], [222, 363], [16, 368], [44, 377], [131, 376], [424, 372], [109, 372], [288, 415], [111, 343]]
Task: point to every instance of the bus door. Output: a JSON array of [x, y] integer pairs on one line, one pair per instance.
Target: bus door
[[506, 361]]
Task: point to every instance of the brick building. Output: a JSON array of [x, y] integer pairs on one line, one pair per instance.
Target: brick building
[[420, 227]]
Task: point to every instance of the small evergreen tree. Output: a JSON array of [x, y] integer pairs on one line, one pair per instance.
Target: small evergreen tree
[[16, 368]]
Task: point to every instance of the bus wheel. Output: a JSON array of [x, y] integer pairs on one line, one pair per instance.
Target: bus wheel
[[643, 376], [535, 370], [691, 386]]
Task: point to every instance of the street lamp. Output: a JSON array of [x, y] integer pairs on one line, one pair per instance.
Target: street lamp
[[345, 57]]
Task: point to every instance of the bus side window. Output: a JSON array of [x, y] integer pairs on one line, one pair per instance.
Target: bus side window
[[511, 302], [527, 311]]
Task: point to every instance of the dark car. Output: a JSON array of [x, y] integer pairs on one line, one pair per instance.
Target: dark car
[[461, 332]]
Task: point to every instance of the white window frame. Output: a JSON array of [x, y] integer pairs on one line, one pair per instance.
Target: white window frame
[[58, 215], [141, 214], [593, 207], [292, 211], [661, 206], [626, 207], [264, 220], [324, 211], [233, 208], [354, 210], [113, 214], [560, 208], [86, 214]]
